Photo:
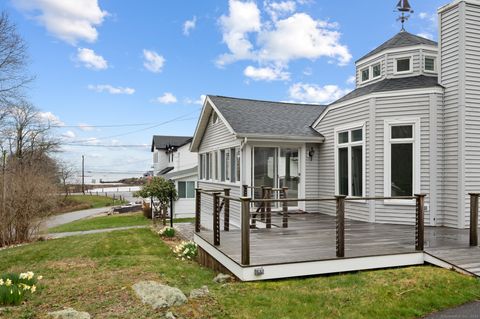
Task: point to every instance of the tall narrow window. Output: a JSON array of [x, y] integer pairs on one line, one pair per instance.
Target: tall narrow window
[[207, 166], [202, 166], [233, 157], [376, 70], [215, 163], [222, 165], [365, 74], [401, 160], [227, 165], [237, 163], [350, 173]]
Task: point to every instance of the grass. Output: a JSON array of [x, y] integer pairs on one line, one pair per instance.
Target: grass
[[79, 202], [94, 273], [113, 221]]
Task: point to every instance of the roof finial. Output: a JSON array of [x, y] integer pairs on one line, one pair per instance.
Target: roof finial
[[404, 8]]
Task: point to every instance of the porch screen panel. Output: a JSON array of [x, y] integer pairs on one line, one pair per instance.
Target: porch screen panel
[[343, 171], [402, 169]]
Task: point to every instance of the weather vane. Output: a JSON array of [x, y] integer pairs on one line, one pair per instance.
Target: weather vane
[[405, 9]]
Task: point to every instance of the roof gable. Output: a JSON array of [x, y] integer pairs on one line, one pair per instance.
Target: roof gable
[[400, 40], [162, 142]]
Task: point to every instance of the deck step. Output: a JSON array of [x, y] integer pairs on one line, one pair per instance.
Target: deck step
[[463, 259]]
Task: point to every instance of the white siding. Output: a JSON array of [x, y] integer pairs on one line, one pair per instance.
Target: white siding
[[216, 136], [452, 117], [184, 159], [472, 105], [326, 178], [207, 202], [184, 207], [312, 173]]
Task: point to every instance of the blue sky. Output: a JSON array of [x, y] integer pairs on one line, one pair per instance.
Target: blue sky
[[109, 62]]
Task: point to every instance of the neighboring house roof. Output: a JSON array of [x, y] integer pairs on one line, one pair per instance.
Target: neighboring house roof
[[165, 170], [162, 142], [264, 118], [401, 39], [183, 173], [415, 82]]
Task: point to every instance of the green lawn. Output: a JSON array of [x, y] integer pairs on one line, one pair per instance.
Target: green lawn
[[94, 273], [79, 202], [113, 221]]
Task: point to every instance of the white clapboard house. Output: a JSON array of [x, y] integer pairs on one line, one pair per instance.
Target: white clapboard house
[[173, 161]]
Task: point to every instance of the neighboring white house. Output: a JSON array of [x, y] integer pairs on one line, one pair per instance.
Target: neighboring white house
[[412, 125], [173, 160]]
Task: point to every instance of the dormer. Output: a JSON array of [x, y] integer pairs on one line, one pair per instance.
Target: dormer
[[404, 55]]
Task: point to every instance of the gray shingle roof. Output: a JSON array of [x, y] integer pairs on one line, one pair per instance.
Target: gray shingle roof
[[252, 117], [401, 39], [414, 82], [161, 142]]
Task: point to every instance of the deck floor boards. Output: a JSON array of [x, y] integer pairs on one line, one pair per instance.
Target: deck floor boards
[[311, 237]]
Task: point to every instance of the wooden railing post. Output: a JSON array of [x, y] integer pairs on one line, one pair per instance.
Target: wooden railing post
[[226, 210], [420, 222], [198, 208], [245, 202], [268, 195], [262, 205], [245, 190], [285, 207], [340, 199], [474, 219], [216, 219]]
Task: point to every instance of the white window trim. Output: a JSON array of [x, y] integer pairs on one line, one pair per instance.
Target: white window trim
[[434, 64], [403, 58], [388, 123], [349, 128], [370, 73]]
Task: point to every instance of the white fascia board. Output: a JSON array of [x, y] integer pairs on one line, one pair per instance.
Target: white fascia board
[[360, 63], [434, 90], [196, 138], [279, 138]]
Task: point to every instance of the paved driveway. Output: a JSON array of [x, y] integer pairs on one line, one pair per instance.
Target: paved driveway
[[73, 216], [468, 311]]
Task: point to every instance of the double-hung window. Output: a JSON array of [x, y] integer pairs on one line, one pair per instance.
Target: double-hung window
[[350, 158], [402, 158], [186, 189]]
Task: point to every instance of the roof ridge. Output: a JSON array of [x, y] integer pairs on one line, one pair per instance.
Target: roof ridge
[[267, 101]]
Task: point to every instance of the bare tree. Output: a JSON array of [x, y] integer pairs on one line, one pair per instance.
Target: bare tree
[[14, 75], [66, 172]]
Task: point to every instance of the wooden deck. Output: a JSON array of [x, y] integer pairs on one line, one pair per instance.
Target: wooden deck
[[310, 238]]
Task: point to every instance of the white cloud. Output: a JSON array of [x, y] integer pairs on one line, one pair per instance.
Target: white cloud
[[425, 35], [111, 89], [91, 60], [279, 9], [166, 98], [189, 25], [277, 41], [69, 135], [153, 61], [85, 127], [311, 93], [351, 79], [305, 37], [50, 118], [265, 74], [243, 18], [200, 100], [68, 20]]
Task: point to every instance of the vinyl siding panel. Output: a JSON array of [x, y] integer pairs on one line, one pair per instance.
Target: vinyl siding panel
[[207, 203], [216, 136], [451, 148], [346, 115], [414, 106], [416, 64], [312, 173], [472, 103]]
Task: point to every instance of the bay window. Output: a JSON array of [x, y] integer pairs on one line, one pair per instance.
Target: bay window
[[350, 174]]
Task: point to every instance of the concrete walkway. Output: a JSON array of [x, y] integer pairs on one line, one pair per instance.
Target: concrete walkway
[[87, 232], [468, 311], [73, 216]]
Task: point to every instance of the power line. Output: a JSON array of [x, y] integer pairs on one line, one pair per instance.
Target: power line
[[106, 146], [97, 126]]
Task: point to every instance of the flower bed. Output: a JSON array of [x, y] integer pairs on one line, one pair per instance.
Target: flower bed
[[167, 232], [186, 250], [15, 288]]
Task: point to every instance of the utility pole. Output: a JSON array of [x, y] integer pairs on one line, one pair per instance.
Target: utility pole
[[4, 186], [83, 174]]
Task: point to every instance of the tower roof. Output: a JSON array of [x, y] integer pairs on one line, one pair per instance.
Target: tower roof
[[401, 39]]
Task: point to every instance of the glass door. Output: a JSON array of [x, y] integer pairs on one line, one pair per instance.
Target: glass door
[[264, 168], [289, 172]]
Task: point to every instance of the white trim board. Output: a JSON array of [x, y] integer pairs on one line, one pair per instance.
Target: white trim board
[[360, 63]]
